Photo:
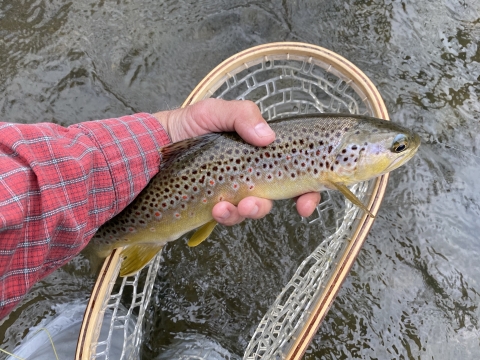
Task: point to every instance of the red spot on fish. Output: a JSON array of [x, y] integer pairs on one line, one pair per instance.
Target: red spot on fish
[[184, 197], [204, 200], [177, 215], [251, 187], [212, 182]]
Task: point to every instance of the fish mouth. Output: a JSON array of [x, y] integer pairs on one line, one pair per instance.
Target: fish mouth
[[393, 165]]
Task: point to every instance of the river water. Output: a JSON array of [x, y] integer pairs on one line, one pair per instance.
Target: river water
[[414, 290]]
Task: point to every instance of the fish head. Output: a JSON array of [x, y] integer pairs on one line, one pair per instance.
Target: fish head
[[373, 148]]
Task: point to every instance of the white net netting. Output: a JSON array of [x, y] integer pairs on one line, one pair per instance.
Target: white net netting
[[281, 85]]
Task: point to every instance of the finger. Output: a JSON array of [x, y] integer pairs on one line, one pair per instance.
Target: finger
[[254, 208], [307, 203], [226, 213], [244, 117]]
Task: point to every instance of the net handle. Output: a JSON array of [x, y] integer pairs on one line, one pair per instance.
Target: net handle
[[206, 88], [92, 319]]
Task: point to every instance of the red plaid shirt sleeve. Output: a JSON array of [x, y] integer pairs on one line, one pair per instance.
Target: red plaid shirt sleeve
[[59, 185]]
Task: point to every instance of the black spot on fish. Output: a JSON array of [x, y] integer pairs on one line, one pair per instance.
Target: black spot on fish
[[354, 147], [294, 151], [330, 148], [345, 159], [344, 151]]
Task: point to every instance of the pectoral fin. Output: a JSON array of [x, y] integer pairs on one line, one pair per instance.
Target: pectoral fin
[[202, 233], [351, 196], [135, 257]]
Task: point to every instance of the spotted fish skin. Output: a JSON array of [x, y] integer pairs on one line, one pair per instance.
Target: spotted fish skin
[[310, 153]]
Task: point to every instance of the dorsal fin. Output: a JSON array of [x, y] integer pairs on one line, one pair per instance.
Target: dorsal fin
[[176, 151]]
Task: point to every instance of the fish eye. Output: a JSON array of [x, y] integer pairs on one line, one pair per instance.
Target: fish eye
[[400, 143]]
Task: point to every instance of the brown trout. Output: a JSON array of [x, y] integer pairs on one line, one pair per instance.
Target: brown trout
[[310, 153]]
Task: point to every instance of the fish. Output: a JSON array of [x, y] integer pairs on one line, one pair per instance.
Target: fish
[[310, 153]]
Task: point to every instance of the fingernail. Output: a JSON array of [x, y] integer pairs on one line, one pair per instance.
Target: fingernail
[[254, 211], [263, 130], [225, 215]]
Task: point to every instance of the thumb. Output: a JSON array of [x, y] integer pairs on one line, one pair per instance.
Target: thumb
[[244, 117]]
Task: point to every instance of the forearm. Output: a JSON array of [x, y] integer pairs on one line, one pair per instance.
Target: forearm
[[58, 185]]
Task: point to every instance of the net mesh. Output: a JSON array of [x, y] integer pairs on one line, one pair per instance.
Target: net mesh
[[281, 85]]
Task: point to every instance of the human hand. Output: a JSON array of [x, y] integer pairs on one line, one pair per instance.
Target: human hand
[[243, 117]]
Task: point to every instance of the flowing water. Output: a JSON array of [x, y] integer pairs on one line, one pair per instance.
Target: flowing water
[[414, 290]]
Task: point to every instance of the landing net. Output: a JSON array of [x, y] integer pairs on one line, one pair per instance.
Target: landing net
[[283, 79]]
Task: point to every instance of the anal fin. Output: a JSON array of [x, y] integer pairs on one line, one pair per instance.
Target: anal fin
[[351, 196], [202, 233], [135, 257]]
